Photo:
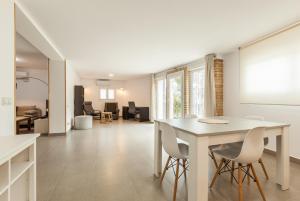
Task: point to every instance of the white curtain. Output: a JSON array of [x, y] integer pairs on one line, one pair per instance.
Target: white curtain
[[153, 99], [209, 86]]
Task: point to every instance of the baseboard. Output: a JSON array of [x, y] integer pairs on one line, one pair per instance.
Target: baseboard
[[292, 159], [53, 134]]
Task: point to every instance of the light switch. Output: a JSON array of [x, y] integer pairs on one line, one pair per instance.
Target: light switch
[[5, 101], [8, 101]]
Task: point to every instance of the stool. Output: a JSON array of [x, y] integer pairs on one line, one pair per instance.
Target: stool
[[83, 122]]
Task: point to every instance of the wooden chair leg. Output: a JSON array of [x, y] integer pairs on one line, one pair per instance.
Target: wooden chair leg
[[176, 180], [232, 171], [264, 168], [240, 181], [248, 174], [217, 173], [214, 158], [165, 169], [257, 183], [184, 167]]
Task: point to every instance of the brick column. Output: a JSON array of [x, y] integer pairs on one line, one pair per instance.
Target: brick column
[[218, 67]]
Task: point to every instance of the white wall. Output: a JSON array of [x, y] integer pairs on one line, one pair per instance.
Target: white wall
[[138, 90], [7, 80], [57, 102], [279, 113], [72, 79], [33, 92]]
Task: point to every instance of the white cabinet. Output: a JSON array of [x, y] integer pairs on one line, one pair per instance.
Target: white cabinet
[[18, 168]]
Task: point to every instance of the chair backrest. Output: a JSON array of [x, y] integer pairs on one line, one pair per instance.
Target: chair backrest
[[111, 107], [169, 140], [88, 108], [131, 107], [260, 118], [253, 146]]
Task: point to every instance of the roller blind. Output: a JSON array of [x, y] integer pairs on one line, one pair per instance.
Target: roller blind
[[270, 70]]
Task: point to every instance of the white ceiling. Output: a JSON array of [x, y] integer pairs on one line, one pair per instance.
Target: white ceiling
[[136, 37], [27, 56]]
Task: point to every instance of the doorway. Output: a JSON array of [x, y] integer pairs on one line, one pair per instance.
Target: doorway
[[31, 88]]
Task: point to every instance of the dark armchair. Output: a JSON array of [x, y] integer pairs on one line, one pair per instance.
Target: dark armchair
[[113, 108], [132, 110], [89, 110]]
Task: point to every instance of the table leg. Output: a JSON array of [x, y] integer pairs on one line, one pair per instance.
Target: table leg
[[102, 120], [157, 150], [283, 159], [198, 174], [29, 124], [17, 128]]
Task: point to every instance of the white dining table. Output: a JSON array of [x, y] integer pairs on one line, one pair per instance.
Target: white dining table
[[201, 135]]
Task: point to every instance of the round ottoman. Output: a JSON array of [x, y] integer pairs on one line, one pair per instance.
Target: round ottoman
[[83, 122]]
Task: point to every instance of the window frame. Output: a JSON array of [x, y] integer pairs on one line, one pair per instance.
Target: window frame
[[169, 76], [191, 96], [107, 93], [164, 80]]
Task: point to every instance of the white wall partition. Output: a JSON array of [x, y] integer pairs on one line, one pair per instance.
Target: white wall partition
[[72, 79], [270, 70], [57, 97], [7, 68]]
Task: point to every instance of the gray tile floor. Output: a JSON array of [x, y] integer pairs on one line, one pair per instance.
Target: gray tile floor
[[114, 162]]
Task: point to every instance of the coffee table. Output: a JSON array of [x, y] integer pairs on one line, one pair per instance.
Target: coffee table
[[106, 117], [21, 119]]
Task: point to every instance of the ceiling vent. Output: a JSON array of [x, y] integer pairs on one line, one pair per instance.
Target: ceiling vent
[[21, 75], [103, 82]]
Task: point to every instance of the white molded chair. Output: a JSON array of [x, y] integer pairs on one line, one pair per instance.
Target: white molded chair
[[176, 151], [266, 142], [251, 151]]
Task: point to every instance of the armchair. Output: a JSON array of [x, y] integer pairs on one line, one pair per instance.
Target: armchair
[[89, 110], [113, 108], [132, 110]]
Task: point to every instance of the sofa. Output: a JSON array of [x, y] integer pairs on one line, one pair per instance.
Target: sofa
[[113, 108], [29, 111]]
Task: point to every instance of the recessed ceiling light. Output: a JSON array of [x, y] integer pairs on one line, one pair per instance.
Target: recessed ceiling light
[[18, 59], [111, 75]]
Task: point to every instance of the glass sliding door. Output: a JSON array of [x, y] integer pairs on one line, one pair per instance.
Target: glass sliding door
[[197, 92], [175, 95], [160, 98]]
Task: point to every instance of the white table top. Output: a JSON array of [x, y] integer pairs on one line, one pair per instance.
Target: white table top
[[10, 144], [235, 125]]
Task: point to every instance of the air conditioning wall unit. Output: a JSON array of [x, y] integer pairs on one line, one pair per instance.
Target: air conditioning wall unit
[[103, 82], [21, 74]]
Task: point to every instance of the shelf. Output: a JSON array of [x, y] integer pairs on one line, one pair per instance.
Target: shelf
[[3, 190], [4, 196], [3, 177], [18, 169]]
